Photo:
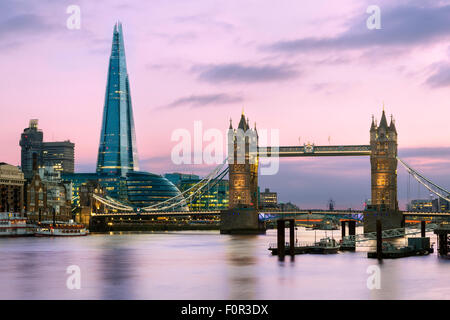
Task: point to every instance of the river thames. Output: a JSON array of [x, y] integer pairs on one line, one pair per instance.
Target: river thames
[[207, 265]]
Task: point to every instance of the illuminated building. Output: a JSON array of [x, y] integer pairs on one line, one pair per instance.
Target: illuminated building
[[176, 178], [215, 197], [117, 152], [268, 199], [422, 205]]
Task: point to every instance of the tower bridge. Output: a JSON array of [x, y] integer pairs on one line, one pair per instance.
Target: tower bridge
[[244, 216], [244, 154]]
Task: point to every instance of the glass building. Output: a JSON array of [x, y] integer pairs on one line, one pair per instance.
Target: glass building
[[117, 164], [144, 189], [214, 198], [117, 152]]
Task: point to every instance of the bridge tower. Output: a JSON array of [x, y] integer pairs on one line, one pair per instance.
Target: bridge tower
[[383, 160], [242, 216], [243, 165]]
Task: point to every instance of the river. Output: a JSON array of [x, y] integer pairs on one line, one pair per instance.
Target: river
[[207, 265]]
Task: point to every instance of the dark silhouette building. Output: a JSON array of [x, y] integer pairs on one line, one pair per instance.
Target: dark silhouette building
[[59, 155]]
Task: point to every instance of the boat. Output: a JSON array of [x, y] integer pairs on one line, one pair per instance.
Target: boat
[[14, 225], [347, 245], [60, 229], [389, 251], [325, 246]]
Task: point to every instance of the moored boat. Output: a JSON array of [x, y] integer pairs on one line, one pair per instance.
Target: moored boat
[[14, 225], [325, 246], [60, 229]]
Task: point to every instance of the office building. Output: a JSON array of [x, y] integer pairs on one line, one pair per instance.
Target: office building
[[176, 178], [268, 199], [59, 155], [214, 197]]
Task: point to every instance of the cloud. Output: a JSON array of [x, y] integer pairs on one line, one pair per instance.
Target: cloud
[[440, 77], [198, 101], [205, 20], [24, 24], [235, 72], [400, 26]]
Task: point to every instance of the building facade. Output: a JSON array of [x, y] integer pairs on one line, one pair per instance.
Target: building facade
[[48, 195], [59, 155], [268, 199], [176, 178], [214, 197], [11, 188], [422, 205]]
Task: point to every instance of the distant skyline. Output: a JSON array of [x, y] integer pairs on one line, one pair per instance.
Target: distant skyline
[[310, 69]]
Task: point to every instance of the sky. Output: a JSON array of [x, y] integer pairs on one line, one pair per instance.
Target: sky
[[310, 69]]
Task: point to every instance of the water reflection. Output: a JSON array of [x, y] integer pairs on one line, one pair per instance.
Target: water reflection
[[241, 271]]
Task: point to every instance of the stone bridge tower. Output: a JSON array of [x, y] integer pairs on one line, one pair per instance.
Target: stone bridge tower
[[243, 165], [383, 161], [242, 215]]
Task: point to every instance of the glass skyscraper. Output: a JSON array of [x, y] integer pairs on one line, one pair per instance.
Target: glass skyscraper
[[117, 164], [117, 152]]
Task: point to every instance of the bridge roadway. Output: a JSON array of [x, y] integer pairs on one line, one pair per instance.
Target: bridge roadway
[[315, 151], [267, 212]]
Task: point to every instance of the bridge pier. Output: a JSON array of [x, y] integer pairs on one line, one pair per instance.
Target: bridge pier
[[390, 219], [422, 229], [281, 244], [351, 228], [379, 240], [241, 221], [343, 228], [281, 238]]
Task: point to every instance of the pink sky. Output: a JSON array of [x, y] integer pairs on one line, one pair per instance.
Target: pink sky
[[308, 68]]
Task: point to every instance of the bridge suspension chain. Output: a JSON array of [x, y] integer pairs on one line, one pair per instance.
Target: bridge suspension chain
[[197, 193], [179, 200], [432, 187]]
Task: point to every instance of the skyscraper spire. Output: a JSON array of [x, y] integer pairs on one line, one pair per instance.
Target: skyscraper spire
[[117, 152]]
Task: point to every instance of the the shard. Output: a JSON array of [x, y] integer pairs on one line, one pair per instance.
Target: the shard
[[117, 152]]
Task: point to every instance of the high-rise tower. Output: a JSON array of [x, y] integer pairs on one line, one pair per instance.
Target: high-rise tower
[[31, 142], [117, 152]]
